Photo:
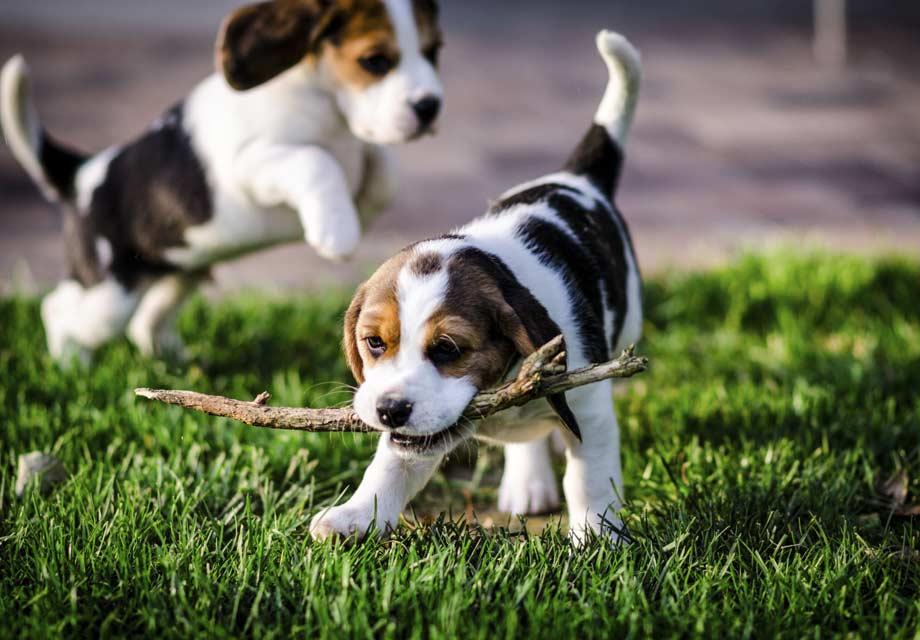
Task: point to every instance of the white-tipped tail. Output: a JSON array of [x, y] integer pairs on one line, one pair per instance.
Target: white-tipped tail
[[618, 105], [21, 127]]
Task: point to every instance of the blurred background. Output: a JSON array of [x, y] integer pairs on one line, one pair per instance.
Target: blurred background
[[758, 124]]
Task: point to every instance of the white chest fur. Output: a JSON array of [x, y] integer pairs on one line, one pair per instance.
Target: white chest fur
[[236, 134]]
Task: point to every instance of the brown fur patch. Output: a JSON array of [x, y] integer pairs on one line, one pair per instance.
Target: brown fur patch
[[426, 264], [363, 29], [485, 353], [259, 41], [501, 315], [374, 311]]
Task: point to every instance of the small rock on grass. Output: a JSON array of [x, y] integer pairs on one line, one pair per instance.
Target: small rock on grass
[[46, 468]]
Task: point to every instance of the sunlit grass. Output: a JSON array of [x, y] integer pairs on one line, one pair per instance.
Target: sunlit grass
[[782, 388]]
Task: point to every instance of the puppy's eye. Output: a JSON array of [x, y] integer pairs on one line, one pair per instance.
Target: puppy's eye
[[433, 54], [376, 345], [444, 351], [377, 64]]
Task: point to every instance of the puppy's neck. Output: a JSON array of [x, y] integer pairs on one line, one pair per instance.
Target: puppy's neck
[[302, 92]]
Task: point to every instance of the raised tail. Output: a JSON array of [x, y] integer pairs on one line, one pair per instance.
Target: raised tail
[[52, 166], [599, 155]]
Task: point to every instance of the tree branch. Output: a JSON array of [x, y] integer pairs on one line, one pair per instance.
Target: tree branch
[[542, 374]]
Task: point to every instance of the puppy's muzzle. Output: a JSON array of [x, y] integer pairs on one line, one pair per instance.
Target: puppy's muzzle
[[393, 411]]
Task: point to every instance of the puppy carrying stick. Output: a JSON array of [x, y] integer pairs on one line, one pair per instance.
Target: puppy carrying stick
[[448, 317]]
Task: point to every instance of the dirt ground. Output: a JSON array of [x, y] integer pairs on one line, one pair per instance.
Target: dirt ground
[[741, 140]]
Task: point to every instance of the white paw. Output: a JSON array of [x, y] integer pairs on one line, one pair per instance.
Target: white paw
[[347, 520], [335, 234], [528, 495], [57, 311]]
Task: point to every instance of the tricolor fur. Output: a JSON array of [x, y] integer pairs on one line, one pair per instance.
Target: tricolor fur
[[448, 317], [283, 142]]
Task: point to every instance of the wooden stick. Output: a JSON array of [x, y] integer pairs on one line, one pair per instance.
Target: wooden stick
[[542, 374]]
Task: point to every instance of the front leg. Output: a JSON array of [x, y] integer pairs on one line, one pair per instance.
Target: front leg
[[152, 327], [309, 180], [593, 481], [388, 484], [379, 184]]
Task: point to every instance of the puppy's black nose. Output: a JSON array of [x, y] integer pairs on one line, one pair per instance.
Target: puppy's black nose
[[427, 109], [394, 411]]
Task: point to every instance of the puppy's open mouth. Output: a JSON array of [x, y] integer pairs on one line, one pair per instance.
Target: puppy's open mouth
[[429, 441]]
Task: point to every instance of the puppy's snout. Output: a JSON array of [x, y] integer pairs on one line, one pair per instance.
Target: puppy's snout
[[394, 411], [427, 109]]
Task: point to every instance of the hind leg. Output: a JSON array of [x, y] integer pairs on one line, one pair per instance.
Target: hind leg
[[152, 327], [528, 484], [79, 320], [593, 481]]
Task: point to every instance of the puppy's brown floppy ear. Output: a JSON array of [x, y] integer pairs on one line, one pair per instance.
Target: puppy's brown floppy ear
[[350, 337], [259, 41], [527, 324], [524, 321]]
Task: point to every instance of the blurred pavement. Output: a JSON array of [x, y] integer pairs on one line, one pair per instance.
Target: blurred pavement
[[741, 141]]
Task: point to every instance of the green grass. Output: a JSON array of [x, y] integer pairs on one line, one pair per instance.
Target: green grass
[[782, 389]]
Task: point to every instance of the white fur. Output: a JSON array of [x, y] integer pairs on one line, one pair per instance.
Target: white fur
[[20, 123], [90, 175], [618, 105], [403, 478], [151, 328], [593, 481], [78, 320], [103, 252], [264, 150]]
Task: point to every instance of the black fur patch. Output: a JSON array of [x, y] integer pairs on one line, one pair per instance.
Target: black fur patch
[[599, 158], [605, 249], [558, 251], [532, 195], [536, 320], [154, 190], [60, 164], [597, 261]]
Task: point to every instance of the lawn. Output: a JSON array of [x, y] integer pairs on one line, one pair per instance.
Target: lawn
[[783, 389]]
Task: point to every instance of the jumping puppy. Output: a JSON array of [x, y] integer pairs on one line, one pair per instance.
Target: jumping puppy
[[281, 143], [448, 317]]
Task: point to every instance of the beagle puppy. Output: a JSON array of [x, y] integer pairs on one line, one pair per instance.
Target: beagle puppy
[[283, 142], [448, 317]]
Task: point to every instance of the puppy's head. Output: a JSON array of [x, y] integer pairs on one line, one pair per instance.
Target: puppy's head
[[427, 332], [379, 57]]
